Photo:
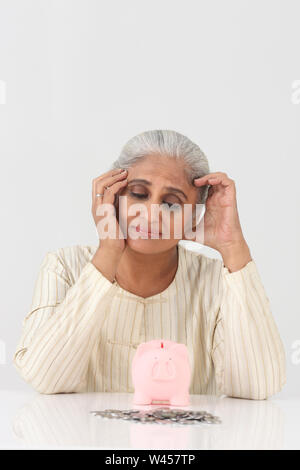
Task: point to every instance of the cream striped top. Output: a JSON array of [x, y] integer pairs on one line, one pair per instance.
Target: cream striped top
[[82, 330]]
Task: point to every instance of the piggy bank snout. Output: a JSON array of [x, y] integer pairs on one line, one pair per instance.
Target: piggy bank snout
[[163, 369]]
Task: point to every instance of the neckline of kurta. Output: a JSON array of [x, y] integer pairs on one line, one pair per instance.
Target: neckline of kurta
[[161, 296]]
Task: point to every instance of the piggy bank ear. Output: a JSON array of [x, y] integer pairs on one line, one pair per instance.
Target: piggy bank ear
[[179, 349]]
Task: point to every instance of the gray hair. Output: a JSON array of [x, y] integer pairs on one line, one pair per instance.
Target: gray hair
[[166, 143]]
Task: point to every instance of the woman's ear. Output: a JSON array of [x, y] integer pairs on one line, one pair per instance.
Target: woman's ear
[[192, 228], [197, 216]]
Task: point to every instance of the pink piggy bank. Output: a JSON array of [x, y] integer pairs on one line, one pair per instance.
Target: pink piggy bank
[[161, 371]]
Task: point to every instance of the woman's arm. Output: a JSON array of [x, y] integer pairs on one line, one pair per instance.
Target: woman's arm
[[248, 353], [62, 326], [247, 350]]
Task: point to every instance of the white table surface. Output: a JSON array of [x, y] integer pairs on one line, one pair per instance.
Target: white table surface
[[33, 420]]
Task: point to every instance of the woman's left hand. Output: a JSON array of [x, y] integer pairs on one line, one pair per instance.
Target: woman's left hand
[[222, 228]]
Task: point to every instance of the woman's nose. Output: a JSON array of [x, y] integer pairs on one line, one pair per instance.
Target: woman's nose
[[154, 214]]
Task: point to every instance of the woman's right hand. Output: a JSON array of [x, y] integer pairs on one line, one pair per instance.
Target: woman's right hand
[[114, 181]]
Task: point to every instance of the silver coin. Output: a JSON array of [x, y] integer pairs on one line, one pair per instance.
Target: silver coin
[[163, 414], [160, 415]]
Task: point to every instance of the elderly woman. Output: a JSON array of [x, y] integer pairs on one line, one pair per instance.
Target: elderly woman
[[93, 305]]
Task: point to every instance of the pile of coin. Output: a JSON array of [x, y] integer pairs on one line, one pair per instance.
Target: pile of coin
[[161, 415]]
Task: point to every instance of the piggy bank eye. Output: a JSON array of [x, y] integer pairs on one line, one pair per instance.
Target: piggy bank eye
[[155, 358], [170, 358]]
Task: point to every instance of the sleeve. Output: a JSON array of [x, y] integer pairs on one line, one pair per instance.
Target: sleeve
[[62, 326], [247, 351]]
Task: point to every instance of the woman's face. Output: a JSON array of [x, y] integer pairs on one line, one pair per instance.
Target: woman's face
[[156, 180]]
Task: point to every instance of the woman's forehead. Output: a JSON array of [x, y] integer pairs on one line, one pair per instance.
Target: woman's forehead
[[161, 172]]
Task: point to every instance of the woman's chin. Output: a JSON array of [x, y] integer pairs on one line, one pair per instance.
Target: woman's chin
[[145, 245]]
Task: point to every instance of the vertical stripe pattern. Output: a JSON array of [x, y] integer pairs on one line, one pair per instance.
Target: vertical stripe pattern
[[82, 331]]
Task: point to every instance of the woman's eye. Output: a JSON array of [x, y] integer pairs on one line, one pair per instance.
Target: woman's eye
[[141, 196], [173, 205]]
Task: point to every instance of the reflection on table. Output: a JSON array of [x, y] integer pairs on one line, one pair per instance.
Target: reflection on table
[[64, 420]]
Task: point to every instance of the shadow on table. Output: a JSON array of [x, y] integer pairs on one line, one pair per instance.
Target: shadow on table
[[64, 420]]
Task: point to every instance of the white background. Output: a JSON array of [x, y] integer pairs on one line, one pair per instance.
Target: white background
[[81, 77]]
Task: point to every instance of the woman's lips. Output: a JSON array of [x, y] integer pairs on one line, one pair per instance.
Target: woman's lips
[[138, 229]]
